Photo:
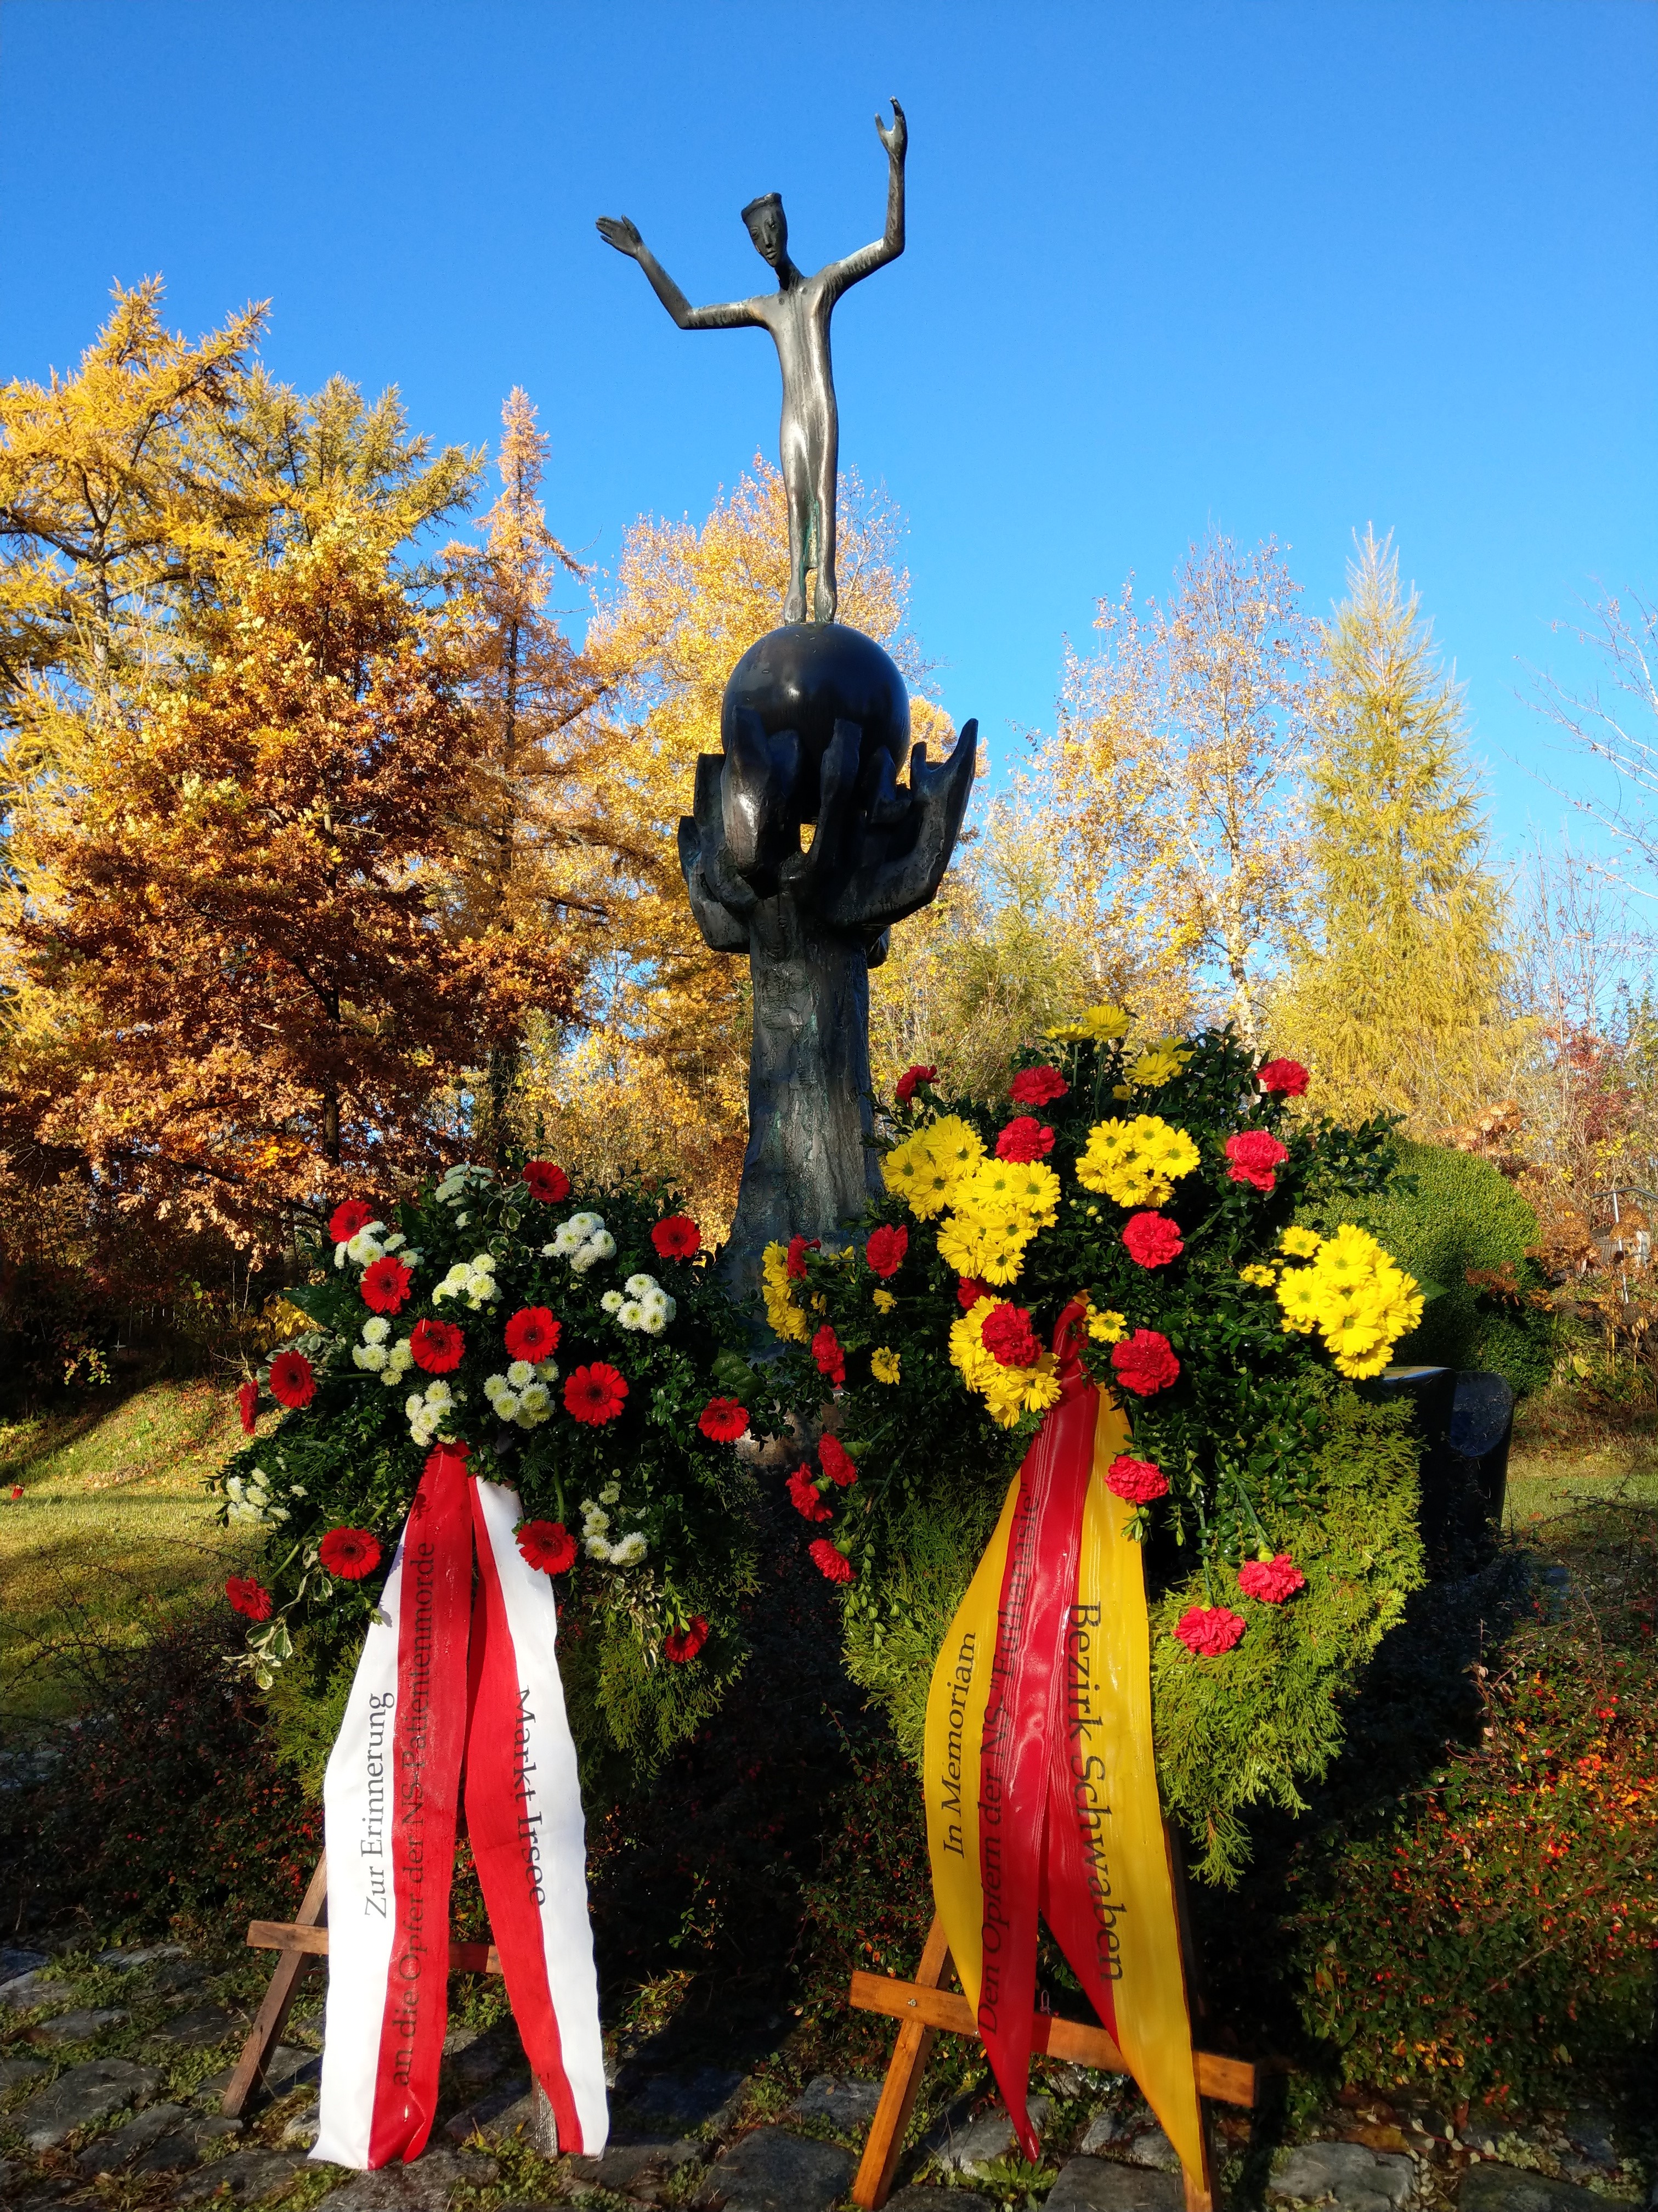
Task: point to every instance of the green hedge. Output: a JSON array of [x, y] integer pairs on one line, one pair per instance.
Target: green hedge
[[1444, 1213]]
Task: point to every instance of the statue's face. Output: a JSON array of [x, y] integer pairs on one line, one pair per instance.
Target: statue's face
[[769, 230]]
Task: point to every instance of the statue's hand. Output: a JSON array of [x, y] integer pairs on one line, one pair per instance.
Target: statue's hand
[[619, 232], [895, 140]]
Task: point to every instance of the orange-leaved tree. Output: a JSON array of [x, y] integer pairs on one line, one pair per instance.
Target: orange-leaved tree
[[240, 974]]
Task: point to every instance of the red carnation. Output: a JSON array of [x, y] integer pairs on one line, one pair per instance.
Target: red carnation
[[1288, 1078], [350, 1553], [1007, 1334], [445, 1455], [247, 1401], [722, 1421], [803, 1495], [1145, 1362], [1255, 1154], [969, 1293], [678, 1237], [547, 1546], [1139, 1480], [547, 1183], [885, 1250], [532, 1333], [910, 1077], [1024, 1139], [1037, 1086], [246, 1596], [799, 1248], [1270, 1580], [385, 1285], [680, 1644], [831, 1360], [349, 1216], [436, 1345], [832, 1458], [594, 1394], [1206, 1630], [831, 1563], [292, 1382], [1152, 1239]]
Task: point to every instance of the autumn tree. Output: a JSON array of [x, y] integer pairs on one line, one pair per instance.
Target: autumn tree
[[238, 994], [1398, 1000], [1171, 787]]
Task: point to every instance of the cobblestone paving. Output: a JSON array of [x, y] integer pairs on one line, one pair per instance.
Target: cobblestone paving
[[113, 2065]]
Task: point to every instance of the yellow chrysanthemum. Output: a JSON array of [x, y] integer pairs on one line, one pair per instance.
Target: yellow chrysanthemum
[[993, 1251], [1158, 1064], [1299, 1243], [1106, 1326], [954, 1144], [785, 1316], [1262, 1278], [884, 1364], [1098, 1025], [1299, 1297], [884, 1301], [1136, 1163], [1354, 1293]]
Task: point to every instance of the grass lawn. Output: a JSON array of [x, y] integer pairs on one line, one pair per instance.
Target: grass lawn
[[1569, 1450], [112, 1532]]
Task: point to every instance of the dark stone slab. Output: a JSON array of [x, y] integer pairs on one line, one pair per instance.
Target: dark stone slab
[[772, 2171], [173, 1975], [111, 2152], [1358, 2179], [83, 2094], [77, 2026], [843, 2103], [473, 2061], [242, 2178], [31, 1991], [140, 1956], [675, 2103], [15, 2071], [203, 2028], [1099, 2184], [1153, 2148], [623, 2165], [13, 1962], [921, 2197], [960, 2150], [425, 2186], [287, 2066], [1489, 2187]]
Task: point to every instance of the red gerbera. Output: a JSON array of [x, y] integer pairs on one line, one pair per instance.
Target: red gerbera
[[594, 1394], [799, 1248], [548, 1545], [1145, 1362], [247, 1401], [833, 1459], [436, 1345], [350, 1553], [17, 1490], [385, 1285], [831, 1360], [532, 1333], [910, 1079], [1288, 1078], [349, 1216], [885, 1250], [831, 1561], [1152, 1239], [722, 1421], [1024, 1139], [1206, 1630], [248, 1596], [547, 1183], [1037, 1086], [678, 1237], [969, 1293], [680, 1644], [1270, 1580], [1139, 1480], [803, 1495], [1006, 1334], [1255, 1154], [292, 1382]]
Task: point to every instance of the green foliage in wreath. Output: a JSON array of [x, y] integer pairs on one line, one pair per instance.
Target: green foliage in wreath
[[578, 1358], [1171, 1180]]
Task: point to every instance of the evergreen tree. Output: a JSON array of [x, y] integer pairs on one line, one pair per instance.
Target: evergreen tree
[[1398, 1001]]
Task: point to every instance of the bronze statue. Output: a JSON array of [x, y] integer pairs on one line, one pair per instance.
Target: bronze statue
[[798, 316]]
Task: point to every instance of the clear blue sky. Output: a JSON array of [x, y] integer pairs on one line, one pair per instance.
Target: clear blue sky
[[1279, 266]]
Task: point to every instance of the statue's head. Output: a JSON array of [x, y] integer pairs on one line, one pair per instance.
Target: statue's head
[[768, 227]]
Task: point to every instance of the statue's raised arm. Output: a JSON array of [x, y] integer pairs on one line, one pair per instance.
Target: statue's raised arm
[[733, 315], [895, 137]]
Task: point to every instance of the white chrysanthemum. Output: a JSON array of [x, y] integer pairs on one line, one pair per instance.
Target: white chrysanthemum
[[395, 1244], [414, 1405], [371, 1358], [601, 1244], [611, 1301], [596, 1548], [536, 1403], [630, 1552], [596, 1522], [637, 1286], [588, 1256], [610, 1494], [653, 1320], [632, 1314], [439, 1393], [484, 1264], [339, 1256], [659, 1302], [461, 1220], [520, 1374], [376, 1329], [366, 1245], [546, 1369], [506, 1404], [551, 1251]]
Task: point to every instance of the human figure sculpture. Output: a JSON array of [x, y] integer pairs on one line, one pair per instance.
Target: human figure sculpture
[[798, 316]]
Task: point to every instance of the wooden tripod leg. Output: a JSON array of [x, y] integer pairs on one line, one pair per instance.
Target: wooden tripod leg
[[902, 2085], [272, 2015]]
